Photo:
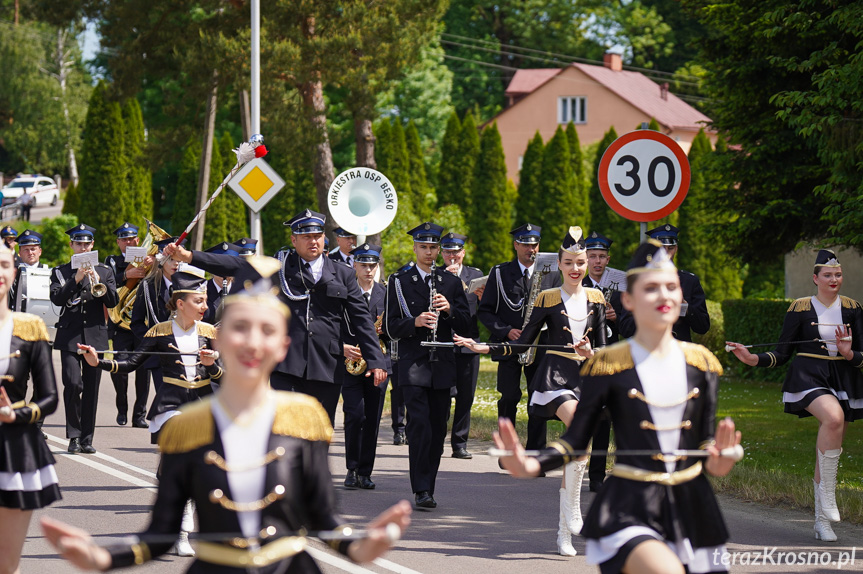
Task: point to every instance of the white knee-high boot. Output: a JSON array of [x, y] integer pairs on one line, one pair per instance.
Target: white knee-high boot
[[823, 530], [574, 475], [828, 462], [564, 537], [186, 526]]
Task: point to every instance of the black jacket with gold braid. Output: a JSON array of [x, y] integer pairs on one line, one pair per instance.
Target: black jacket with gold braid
[[640, 490], [560, 364], [298, 486], [30, 337]]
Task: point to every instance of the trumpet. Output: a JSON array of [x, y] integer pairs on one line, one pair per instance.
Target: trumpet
[[97, 288]]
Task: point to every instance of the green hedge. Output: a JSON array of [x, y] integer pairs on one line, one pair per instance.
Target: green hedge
[[750, 321], [714, 339]]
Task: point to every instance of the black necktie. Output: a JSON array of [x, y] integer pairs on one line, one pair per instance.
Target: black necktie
[[307, 272], [368, 298], [525, 281]]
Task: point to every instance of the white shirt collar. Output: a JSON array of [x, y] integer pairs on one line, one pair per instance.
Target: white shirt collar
[[528, 269], [316, 267], [422, 273]]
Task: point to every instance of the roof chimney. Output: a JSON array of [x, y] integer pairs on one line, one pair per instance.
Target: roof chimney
[[612, 61], [663, 90]]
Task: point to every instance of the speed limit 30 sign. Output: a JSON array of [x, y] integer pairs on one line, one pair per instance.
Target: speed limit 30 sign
[[644, 175]]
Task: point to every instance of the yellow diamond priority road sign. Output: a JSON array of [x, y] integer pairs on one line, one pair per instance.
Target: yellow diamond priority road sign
[[256, 183]]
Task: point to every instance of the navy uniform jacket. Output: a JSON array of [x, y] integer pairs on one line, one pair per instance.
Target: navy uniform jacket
[[316, 320], [118, 265], [696, 319], [214, 302], [337, 256], [501, 307], [376, 306], [414, 367], [82, 317], [612, 298]]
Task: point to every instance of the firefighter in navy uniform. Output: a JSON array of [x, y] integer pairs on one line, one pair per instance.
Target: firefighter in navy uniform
[[29, 253], [466, 361], [121, 335], [245, 247], [346, 242], [693, 313], [319, 293], [426, 374], [9, 235], [501, 310], [82, 320], [598, 256], [397, 399], [218, 287], [363, 400]]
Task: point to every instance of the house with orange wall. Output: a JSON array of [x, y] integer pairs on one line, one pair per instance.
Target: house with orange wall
[[595, 98]]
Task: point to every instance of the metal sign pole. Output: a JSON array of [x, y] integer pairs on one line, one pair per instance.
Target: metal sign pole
[[255, 217]]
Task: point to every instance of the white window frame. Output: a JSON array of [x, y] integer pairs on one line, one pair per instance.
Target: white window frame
[[565, 107]]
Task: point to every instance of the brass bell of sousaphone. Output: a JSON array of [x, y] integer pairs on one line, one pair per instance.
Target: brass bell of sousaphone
[[362, 201]]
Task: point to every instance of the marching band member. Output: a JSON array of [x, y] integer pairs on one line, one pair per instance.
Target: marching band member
[[425, 304], [185, 378], [246, 247], [466, 361], [693, 314], [398, 413], [9, 234], [575, 318], [82, 320], [824, 378], [122, 337], [346, 242], [502, 310], [319, 294], [151, 306], [253, 459], [363, 400], [654, 513], [27, 476], [218, 287], [598, 256], [29, 253]]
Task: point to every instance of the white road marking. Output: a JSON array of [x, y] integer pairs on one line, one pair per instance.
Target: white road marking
[[83, 459], [393, 567], [339, 563], [111, 459]]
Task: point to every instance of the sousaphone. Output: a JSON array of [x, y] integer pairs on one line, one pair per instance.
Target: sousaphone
[[362, 201]]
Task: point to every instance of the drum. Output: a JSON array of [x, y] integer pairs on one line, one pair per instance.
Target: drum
[[34, 296]]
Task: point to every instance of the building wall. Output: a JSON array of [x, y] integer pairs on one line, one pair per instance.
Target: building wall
[[799, 266], [539, 110]]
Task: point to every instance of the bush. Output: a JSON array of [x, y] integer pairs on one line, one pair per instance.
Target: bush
[[55, 242], [714, 339], [751, 321]]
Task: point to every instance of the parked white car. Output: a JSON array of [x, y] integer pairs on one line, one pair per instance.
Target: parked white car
[[43, 189]]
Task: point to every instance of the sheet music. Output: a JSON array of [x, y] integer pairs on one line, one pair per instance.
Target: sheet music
[[83, 259], [135, 254], [546, 259], [614, 279], [476, 284]]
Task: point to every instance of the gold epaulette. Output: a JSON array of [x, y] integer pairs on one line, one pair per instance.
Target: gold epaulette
[[699, 357], [549, 298], [594, 295], [192, 428], [301, 416], [160, 330], [848, 302], [206, 330], [609, 361], [802, 304], [29, 327]]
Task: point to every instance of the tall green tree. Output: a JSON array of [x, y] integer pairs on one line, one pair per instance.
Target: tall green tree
[[139, 181], [576, 154], [103, 198], [280, 209], [423, 197], [384, 147], [183, 210], [528, 206], [449, 178], [469, 150], [399, 167], [237, 223], [490, 225], [217, 215], [558, 199]]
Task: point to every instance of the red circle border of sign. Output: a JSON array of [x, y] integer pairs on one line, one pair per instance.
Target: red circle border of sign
[[615, 205]]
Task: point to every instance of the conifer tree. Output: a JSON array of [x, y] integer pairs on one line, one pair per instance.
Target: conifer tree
[[139, 190], [280, 209], [399, 166], [653, 125], [559, 210], [490, 225], [422, 195], [183, 210], [383, 147], [448, 179], [528, 205], [576, 154], [469, 150], [72, 201], [217, 214], [237, 221], [103, 171]]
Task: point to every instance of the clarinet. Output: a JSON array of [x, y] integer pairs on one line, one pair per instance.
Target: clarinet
[[432, 293]]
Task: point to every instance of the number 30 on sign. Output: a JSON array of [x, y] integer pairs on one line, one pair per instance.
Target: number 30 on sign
[[644, 175]]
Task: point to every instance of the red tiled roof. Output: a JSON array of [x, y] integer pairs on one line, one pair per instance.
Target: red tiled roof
[[527, 80], [633, 87]]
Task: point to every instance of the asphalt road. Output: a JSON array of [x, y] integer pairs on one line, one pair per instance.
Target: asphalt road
[[486, 521]]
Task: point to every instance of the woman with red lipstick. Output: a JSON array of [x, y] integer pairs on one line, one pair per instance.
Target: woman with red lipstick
[[254, 460], [824, 378], [575, 318], [656, 512]]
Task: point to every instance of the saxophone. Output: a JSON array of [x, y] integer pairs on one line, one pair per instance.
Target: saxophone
[[357, 367], [528, 356]]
